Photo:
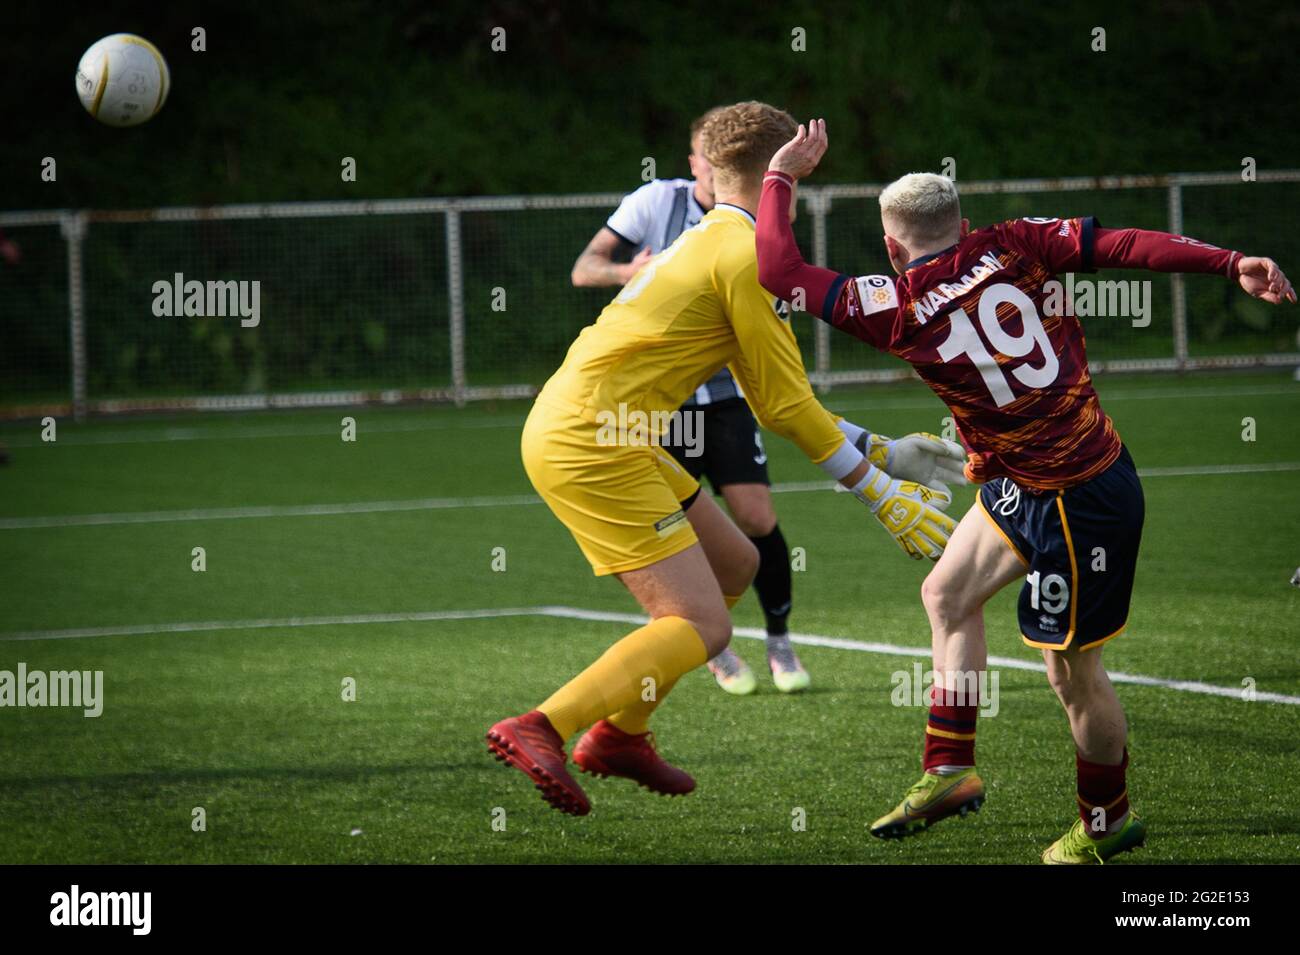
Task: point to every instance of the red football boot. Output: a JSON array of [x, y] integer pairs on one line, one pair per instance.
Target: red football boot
[[530, 744], [605, 750]]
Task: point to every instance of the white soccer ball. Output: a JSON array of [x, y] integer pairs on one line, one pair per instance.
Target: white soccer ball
[[122, 80]]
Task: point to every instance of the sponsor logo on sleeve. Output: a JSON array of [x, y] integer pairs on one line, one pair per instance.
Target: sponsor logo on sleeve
[[876, 293]]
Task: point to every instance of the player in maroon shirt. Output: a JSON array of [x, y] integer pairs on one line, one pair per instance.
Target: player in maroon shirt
[[978, 317]]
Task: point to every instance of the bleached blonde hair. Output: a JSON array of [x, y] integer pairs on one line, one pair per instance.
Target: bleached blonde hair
[[922, 207]]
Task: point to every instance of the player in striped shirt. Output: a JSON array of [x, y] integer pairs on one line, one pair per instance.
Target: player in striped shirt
[[1061, 506]]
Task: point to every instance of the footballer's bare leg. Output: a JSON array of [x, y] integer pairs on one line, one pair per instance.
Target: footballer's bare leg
[[730, 553], [1105, 826], [735, 560], [1096, 717], [1100, 730], [684, 586], [976, 564]]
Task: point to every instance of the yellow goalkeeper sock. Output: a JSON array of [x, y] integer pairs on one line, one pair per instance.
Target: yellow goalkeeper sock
[[636, 717], [661, 651]]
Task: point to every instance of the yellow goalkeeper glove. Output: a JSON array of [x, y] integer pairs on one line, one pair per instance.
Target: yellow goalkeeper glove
[[912, 513]]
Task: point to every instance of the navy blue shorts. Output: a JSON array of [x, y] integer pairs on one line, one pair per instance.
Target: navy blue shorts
[[1081, 548]]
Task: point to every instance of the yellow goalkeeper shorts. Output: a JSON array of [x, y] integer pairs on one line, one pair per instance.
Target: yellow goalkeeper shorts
[[621, 503]]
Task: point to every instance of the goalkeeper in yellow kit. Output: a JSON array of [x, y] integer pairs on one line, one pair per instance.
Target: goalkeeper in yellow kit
[[637, 514]]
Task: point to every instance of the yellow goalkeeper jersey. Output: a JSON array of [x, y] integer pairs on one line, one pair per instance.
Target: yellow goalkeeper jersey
[[692, 309]]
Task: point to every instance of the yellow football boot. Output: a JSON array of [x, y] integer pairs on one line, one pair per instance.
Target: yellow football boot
[[1076, 847], [933, 798]]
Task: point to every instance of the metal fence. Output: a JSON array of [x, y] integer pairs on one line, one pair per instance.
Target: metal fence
[[466, 299]]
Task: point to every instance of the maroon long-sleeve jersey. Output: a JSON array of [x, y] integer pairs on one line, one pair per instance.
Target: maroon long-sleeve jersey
[[974, 322]]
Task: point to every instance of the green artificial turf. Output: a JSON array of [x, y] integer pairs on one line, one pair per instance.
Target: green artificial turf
[[249, 722]]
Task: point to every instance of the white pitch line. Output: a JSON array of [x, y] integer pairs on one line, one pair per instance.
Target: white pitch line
[[601, 616], [1009, 663], [457, 503], [1207, 470]]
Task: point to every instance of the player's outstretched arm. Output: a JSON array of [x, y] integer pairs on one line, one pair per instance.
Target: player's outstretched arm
[[1163, 252], [781, 267], [782, 270]]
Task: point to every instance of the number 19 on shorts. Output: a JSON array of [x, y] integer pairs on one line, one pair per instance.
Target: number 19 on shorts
[[1050, 594]]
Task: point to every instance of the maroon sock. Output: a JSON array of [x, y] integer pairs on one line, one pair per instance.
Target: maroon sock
[[1102, 787], [950, 732]]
